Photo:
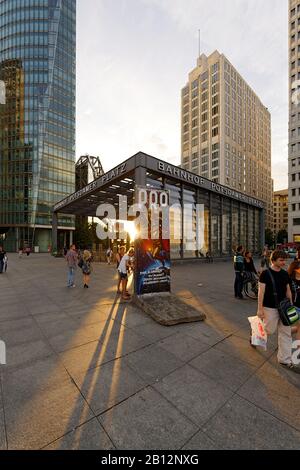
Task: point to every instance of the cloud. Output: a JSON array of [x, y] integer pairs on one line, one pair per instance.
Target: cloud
[[135, 56]]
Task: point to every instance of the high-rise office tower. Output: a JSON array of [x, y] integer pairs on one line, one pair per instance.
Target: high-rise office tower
[[294, 121], [280, 199], [226, 130], [37, 118]]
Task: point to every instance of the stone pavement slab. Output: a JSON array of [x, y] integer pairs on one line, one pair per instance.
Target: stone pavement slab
[[153, 422], [274, 392], [23, 383], [152, 363], [223, 368], [88, 436], [34, 423], [183, 346], [240, 348], [22, 354], [79, 359], [241, 425], [200, 441], [194, 394], [3, 443], [108, 385]]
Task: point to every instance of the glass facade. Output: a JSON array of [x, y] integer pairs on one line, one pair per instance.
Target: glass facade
[[202, 221], [37, 120]]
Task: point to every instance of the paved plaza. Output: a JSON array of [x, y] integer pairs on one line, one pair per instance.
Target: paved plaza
[[85, 371]]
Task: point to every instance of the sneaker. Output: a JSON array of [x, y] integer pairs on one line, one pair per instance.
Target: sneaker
[[73, 285], [291, 367]]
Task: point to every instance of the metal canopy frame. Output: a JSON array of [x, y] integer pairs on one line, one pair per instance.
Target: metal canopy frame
[[123, 179]]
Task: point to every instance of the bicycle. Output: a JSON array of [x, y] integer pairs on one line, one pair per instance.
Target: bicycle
[[250, 285]]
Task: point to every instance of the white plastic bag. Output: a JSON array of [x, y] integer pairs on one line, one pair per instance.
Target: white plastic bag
[[259, 335]]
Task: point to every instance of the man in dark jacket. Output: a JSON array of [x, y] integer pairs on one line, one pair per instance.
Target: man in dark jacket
[[2, 255], [238, 268]]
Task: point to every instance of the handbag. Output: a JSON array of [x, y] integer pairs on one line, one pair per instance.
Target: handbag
[[288, 314]]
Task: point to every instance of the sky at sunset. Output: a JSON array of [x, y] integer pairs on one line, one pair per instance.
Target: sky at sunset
[[134, 56]]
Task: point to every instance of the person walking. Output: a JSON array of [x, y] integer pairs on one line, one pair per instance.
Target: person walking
[[239, 269], [86, 266], [27, 250], [108, 255], [124, 266], [20, 252], [2, 256], [249, 266], [267, 306], [265, 259], [72, 260], [119, 256], [294, 273]]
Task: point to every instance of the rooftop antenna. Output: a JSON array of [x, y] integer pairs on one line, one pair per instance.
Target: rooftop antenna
[[199, 42]]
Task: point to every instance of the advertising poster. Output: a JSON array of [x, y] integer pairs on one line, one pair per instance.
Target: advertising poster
[[153, 266], [152, 255]]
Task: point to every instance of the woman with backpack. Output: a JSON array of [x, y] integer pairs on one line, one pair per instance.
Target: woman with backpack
[[86, 267]]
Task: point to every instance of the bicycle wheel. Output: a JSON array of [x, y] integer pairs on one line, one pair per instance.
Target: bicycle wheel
[[251, 289]]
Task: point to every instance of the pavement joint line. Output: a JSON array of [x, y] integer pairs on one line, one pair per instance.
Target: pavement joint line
[[120, 403], [269, 413], [67, 433], [200, 430], [73, 381], [235, 393], [3, 408], [162, 396], [199, 427]]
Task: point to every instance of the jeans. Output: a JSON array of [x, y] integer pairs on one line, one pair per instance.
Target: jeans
[[238, 284], [71, 276]]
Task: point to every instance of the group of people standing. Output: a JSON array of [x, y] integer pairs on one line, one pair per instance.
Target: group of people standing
[[275, 285], [243, 265], [76, 259]]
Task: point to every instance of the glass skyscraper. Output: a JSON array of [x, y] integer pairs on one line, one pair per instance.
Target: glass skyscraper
[[37, 118]]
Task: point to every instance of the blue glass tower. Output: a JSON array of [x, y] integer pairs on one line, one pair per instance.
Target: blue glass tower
[[37, 118]]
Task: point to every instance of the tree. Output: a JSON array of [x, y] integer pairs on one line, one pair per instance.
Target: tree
[[269, 238], [282, 236], [85, 234]]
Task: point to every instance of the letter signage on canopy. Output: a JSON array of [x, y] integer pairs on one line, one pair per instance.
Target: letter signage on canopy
[[152, 254]]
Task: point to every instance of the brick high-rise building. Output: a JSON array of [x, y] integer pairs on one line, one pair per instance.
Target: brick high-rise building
[[280, 210]]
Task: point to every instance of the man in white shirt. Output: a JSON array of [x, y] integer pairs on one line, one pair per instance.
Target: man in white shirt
[[125, 264]]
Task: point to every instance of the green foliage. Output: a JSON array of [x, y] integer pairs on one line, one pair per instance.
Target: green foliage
[[269, 238], [282, 236], [85, 234]]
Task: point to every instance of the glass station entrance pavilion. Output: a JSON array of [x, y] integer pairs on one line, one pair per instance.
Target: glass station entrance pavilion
[[227, 219]]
